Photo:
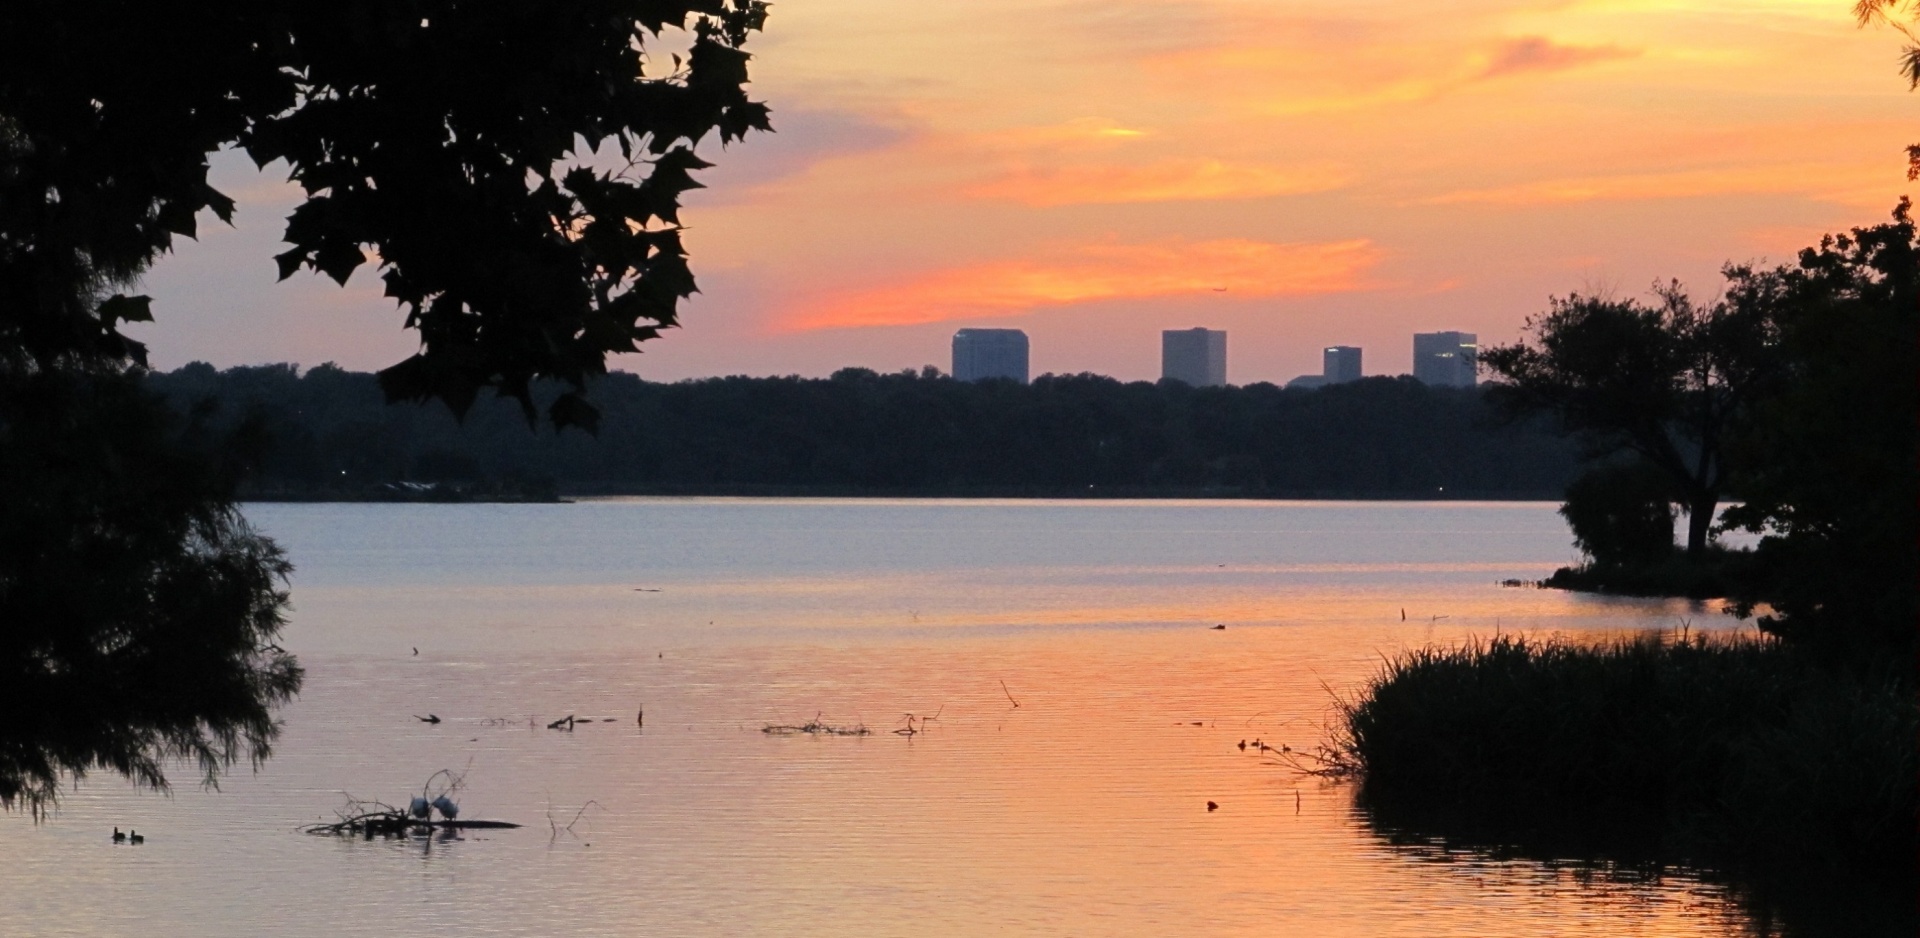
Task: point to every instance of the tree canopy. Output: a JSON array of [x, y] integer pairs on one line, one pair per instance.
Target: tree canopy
[[138, 610], [1795, 392], [513, 169], [1829, 468], [1664, 381], [453, 143]]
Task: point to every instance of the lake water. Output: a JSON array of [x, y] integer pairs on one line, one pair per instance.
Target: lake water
[[1080, 811]]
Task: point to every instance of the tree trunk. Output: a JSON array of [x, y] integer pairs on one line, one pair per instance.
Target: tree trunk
[[1700, 524]]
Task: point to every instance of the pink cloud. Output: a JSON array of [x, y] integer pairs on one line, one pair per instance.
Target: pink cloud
[[1540, 54]]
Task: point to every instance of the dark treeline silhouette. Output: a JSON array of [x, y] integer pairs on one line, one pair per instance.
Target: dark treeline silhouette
[[329, 435]]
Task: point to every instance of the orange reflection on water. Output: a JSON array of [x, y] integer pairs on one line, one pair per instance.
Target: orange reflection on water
[[1084, 712]]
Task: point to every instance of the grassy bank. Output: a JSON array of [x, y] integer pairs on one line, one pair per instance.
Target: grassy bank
[[1731, 752]]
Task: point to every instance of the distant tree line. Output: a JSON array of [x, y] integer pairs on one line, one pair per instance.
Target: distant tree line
[[327, 432]]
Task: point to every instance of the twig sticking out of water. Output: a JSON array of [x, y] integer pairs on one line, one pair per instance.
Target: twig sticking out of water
[[918, 724], [1322, 762], [557, 830], [815, 727], [1004, 690]]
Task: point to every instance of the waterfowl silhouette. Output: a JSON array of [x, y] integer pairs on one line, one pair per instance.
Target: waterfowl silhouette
[[118, 837], [133, 837], [429, 718], [1212, 807]]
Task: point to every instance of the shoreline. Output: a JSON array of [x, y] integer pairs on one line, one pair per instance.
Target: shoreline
[[570, 495]]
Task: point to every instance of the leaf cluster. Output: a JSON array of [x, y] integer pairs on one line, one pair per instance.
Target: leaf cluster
[[1891, 13], [450, 143]]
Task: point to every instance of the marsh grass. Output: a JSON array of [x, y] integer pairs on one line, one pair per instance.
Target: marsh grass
[[1725, 750]]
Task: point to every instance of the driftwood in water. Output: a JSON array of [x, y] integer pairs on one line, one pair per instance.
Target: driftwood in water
[[371, 819], [392, 822], [815, 727]]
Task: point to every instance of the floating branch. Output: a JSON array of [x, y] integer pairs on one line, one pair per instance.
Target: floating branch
[[815, 727], [378, 818], [372, 819]]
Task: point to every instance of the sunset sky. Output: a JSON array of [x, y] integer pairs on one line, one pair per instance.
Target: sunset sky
[[1298, 173]]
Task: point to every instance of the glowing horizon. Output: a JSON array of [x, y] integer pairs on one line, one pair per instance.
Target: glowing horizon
[[1095, 173]]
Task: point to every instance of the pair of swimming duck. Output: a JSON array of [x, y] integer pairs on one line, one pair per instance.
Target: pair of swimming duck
[[130, 837]]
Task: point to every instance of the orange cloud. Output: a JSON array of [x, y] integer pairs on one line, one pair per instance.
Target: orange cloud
[[1182, 180], [1295, 79], [1540, 54], [1079, 132], [1835, 183], [1091, 273]]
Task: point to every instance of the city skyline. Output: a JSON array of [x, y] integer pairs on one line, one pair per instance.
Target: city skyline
[[1198, 356]]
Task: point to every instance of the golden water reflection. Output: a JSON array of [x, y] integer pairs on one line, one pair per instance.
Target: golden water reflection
[[1084, 714]]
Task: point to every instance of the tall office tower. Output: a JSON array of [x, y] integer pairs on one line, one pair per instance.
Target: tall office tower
[[1445, 359], [1196, 356], [1340, 363], [979, 354]]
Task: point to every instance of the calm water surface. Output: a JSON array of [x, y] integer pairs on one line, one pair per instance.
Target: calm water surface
[[1082, 811]]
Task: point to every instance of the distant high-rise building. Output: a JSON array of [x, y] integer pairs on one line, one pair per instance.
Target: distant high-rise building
[[1445, 359], [979, 354], [1196, 356], [1340, 363]]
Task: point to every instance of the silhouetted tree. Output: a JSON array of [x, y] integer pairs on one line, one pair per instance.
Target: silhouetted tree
[[1621, 514], [469, 147], [1665, 381], [138, 611], [447, 138], [1829, 468]]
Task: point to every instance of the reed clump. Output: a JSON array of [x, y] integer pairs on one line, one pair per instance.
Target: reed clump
[[1729, 750]]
